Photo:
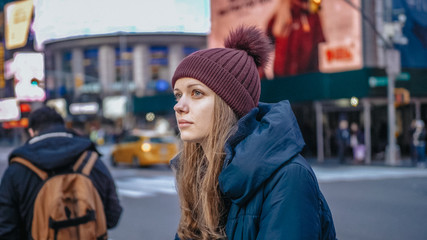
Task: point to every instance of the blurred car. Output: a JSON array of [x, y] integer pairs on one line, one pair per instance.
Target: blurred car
[[144, 149]]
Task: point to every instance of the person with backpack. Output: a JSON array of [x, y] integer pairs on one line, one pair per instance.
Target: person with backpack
[[240, 174], [56, 186]]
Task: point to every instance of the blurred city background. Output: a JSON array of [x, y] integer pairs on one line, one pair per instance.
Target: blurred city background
[[355, 72]]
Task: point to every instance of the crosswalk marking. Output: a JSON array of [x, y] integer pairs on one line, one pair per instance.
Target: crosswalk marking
[[134, 193], [137, 187], [140, 187]]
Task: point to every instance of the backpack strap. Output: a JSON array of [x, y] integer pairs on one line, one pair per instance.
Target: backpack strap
[[85, 162], [79, 161], [42, 174]]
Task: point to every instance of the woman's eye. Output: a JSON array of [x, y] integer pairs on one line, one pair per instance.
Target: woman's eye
[[177, 96], [196, 93]]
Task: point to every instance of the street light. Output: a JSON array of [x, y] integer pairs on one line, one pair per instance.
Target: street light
[[392, 32]]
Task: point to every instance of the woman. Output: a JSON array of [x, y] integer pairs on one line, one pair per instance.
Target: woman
[[296, 30], [240, 175]]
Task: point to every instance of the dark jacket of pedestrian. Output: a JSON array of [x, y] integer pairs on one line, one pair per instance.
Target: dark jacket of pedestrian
[[53, 148], [272, 190]]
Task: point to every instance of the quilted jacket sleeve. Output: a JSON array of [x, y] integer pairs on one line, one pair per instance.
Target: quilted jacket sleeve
[[291, 207], [11, 226], [104, 182]]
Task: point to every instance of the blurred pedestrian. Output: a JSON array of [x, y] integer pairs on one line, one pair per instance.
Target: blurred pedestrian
[[342, 139], [357, 143], [240, 174], [413, 149], [51, 148], [382, 139], [419, 141]]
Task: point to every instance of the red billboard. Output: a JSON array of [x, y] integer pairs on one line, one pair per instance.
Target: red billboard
[[308, 35]]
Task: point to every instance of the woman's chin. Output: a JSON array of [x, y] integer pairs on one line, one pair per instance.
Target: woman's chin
[[189, 139]]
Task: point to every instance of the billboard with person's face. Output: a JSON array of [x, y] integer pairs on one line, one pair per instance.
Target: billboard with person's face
[[308, 35]]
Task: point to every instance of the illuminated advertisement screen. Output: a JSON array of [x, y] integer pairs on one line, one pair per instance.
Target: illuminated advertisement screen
[[28, 71], [58, 19], [308, 35], [9, 109]]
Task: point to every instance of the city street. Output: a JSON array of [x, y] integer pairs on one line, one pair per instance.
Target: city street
[[341, 82], [367, 202]]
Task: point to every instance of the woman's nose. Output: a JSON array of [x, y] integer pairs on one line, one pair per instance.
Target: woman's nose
[[181, 106]]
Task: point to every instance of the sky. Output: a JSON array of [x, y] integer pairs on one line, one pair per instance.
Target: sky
[[58, 19]]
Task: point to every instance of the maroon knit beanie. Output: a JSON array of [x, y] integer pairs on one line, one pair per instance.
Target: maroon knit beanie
[[231, 72]]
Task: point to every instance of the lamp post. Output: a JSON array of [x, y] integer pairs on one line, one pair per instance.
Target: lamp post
[[392, 32], [392, 69]]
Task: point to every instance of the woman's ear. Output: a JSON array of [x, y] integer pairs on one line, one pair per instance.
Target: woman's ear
[[31, 132]]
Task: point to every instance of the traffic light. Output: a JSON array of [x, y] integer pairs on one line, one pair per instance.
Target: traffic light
[[25, 108], [25, 111], [401, 97]]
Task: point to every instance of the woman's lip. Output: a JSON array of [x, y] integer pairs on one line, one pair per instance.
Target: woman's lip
[[184, 123]]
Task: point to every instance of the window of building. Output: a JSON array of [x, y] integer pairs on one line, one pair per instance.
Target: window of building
[[124, 64], [66, 62], [159, 62], [66, 75], [90, 63], [159, 66], [189, 50]]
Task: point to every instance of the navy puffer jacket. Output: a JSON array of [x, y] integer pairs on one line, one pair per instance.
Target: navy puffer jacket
[[273, 191]]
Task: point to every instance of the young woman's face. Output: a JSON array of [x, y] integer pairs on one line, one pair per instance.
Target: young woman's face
[[194, 109]]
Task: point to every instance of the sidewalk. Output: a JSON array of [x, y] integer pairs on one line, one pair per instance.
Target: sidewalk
[[332, 171], [329, 171]]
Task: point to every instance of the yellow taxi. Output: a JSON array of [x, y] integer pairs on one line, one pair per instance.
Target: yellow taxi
[[144, 148]]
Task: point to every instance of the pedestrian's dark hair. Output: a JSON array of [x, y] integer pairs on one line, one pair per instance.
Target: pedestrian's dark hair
[[43, 118]]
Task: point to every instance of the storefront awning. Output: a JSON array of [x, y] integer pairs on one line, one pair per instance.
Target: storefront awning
[[308, 87], [162, 103], [330, 86]]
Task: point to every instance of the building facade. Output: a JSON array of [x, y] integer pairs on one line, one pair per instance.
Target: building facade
[[348, 80], [93, 69]]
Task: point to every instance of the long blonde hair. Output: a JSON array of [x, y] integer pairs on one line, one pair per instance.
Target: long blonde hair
[[203, 211]]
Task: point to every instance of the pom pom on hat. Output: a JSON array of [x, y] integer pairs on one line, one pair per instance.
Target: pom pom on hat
[[252, 41], [231, 72]]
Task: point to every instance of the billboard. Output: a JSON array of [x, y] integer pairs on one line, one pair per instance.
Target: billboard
[[114, 107], [308, 35], [18, 16], [9, 109], [27, 69], [60, 19]]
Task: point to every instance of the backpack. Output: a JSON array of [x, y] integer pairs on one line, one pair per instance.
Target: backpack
[[68, 206]]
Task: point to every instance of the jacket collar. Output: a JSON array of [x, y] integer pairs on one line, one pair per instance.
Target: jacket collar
[[266, 138]]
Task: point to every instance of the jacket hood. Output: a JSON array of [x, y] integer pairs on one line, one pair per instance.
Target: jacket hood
[[266, 138], [54, 148]]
